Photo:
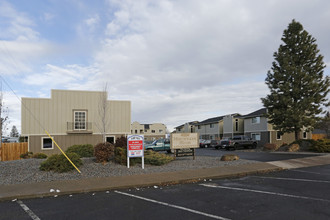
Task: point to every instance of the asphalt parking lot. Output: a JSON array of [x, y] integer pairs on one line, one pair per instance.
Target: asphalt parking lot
[[292, 194]]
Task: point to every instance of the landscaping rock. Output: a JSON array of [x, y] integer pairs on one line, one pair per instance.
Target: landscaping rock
[[294, 148], [229, 157], [270, 147]]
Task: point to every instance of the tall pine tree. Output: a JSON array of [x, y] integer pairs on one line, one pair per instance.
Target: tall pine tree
[[298, 89]]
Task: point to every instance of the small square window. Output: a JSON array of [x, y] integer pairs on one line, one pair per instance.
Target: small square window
[[46, 143], [256, 120], [152, 131]]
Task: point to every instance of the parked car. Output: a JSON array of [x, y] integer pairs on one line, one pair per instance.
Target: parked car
[[215, 144], [12, 140], [239, 142], [201, 143], [225, 142], [204, 143], [159, 145], [207, 143]]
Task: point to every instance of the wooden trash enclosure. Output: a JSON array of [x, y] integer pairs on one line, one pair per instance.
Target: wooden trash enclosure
[[12, 151]]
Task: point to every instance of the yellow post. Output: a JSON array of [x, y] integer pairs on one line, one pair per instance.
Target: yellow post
[[63, 152]]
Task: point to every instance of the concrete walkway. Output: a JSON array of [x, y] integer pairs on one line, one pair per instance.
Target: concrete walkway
[[42, 189]]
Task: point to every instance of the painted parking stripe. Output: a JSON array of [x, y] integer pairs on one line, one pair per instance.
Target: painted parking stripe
[[292, 179], [266, 192], [173, 206], [27, 210]]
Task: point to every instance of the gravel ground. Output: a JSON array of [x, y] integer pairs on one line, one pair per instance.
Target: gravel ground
[[27, 170]]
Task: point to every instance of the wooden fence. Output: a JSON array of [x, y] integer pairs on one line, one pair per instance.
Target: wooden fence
[[12, 151], [318, 136]]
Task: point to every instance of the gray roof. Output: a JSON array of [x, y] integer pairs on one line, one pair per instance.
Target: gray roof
[[260, 112]]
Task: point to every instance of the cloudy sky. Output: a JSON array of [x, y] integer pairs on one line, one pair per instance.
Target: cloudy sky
[[176, 60]]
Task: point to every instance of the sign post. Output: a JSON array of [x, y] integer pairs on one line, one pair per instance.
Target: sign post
[[135, 147]]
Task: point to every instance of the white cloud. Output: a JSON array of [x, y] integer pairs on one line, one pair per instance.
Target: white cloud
[[20, 27], [69, 77], [92, 21]]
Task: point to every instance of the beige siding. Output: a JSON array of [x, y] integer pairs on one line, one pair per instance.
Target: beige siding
[[54, 113], [64, 141], [148, 135], [286, 138]]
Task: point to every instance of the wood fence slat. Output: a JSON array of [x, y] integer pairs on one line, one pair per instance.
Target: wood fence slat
[[13, 151]]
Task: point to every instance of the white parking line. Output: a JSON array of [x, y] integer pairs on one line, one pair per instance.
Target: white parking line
[[292, 179], [173, 206], [265, 192], [27, 210]]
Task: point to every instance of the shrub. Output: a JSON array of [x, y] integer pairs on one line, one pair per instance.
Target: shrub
[[104, 152], [83, 150], [321, 146], [39, 156], [150, 157], [121, 157], [26, 155], [59, 163], [121, 142], [158, 159]]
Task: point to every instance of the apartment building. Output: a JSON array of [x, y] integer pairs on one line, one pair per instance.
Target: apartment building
[[73, 117], [150, 131]]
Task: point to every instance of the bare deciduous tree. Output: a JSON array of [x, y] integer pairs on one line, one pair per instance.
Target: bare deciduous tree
[[3, 116], [103, 111]]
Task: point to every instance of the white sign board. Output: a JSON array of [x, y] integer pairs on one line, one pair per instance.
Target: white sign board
[[135, 147], [184, 140]]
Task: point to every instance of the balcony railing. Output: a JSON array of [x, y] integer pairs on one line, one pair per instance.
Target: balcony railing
[[79, 128]]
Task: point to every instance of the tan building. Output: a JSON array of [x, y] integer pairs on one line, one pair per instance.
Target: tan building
[[150, 131], [73, 117]]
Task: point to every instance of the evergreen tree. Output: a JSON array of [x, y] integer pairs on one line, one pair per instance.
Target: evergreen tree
[[14, 132], [298, 89]]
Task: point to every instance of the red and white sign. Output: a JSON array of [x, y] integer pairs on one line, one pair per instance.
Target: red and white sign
[[135, 146]]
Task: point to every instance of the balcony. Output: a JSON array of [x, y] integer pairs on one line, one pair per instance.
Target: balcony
[[79, 128]]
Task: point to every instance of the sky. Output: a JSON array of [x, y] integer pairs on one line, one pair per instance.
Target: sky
[[175, 60]]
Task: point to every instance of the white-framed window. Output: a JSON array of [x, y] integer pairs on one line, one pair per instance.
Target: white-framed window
[[47, 143], [110, 139], [198, 126], [160, 131], [153, 131], [304, 135], [80, 120], [256, 120], [256, 136], [278, 135], [211, 125]]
